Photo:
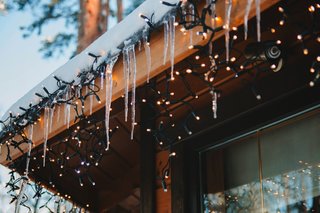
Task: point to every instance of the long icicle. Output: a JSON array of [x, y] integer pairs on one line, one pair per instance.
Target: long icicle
[[172, 19], [109, 84], [126, 76], [246, 17], [147, 50], [51, 115], [258, 15], [66, 97], [46, 124], [228, 7], [166, 40], [133, 72], [30, 137], [213, 14], [101, 79], [21, 195], [191, 19], [68, 109], [58, 112], [91, 98]]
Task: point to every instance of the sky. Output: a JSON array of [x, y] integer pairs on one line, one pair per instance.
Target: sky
[[22, 66]]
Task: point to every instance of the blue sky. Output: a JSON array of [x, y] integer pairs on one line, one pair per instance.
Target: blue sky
[[22, 66]]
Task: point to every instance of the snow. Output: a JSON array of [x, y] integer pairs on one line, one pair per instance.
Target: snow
[[107, 44]]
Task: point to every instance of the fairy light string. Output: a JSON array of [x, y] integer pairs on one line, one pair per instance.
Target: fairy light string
[[74, 96]]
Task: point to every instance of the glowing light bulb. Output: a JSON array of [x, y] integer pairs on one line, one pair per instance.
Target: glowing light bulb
[[311, 84], [189, 71], [281, 22], [172, 154], [311, 8], [280, 9], [299, 37]]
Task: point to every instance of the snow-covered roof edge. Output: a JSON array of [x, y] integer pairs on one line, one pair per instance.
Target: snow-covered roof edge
[[107, 43]]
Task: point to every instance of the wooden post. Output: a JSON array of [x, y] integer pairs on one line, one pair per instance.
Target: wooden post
[[147, 159], [178, 179]]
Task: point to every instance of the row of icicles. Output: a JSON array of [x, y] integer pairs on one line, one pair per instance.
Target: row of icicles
[[130, 71]]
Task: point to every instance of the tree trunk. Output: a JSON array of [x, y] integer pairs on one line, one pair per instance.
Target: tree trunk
[[119, 10], [89, 18], [104, 16]]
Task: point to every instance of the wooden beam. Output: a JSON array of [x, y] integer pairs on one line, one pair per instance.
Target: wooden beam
[[181, 52]]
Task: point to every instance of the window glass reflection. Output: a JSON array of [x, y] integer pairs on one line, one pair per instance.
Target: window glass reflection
[[274, 170]]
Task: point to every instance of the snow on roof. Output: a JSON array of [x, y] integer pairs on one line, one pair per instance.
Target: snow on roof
[[108, 43]]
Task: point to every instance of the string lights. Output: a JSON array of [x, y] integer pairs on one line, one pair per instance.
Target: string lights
[[72, 96]]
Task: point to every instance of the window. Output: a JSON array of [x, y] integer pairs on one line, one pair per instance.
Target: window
[[276, 169]]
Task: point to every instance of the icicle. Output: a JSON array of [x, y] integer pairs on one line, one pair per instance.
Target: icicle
[[191, 19], [246, 17], [166, 41], [30, 137], [78, 94], [258, 15], [228, 7], [139, 46], [133, 72], [57, 204], [58, 112], [63, 206], [67, 107], [91, 98], [51, 118], [172, 41], [109, 84], [21, 195], [214, 103], [101, 80], [146, 45], [213, 14], [46, 123], [126, 76]]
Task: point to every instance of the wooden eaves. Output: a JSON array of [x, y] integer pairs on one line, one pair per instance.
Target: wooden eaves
[[181, 51]]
